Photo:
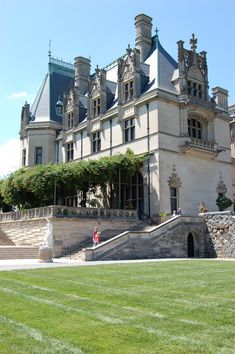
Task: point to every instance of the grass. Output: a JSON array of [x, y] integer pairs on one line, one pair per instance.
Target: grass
[[163, 307]]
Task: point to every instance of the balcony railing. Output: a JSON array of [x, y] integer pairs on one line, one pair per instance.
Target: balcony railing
[[69, 212], [201, 143]]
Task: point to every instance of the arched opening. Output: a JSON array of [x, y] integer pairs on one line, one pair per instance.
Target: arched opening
[[191, 252]]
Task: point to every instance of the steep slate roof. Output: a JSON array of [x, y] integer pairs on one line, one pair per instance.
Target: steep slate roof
[[160, 67], [59, 79]]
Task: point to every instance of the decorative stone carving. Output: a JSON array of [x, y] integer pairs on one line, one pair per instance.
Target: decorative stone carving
[[221, 187], [174, 180]]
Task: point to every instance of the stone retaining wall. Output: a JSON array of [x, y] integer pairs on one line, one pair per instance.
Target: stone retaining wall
[[67, 232], [220, 238], [168, 240]]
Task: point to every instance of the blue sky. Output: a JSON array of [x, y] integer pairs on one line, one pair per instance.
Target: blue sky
[[102, 30]]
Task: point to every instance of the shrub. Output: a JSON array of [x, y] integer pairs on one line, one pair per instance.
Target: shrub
[[223, 203]]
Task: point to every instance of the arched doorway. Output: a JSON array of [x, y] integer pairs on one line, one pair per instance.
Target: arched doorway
[[191, 252]]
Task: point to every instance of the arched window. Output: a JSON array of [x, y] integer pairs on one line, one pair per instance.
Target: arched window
[[194, 128]]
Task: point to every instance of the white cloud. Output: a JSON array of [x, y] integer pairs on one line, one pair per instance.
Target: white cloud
[[16, 95], [9, 157]]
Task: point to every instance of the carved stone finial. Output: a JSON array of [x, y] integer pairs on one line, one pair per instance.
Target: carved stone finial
[[156, 31], [49, 50], [129, 50], [193, 42]]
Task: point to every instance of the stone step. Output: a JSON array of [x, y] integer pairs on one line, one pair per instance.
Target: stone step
[[18, 252]]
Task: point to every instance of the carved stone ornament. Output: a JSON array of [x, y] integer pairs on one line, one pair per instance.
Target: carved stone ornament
[[126, 67], [174, 180], [221, 187]]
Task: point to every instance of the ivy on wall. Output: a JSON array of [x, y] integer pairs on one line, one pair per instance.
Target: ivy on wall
[[31, 187]]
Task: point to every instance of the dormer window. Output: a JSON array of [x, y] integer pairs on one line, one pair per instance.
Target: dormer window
[[70, 120], [128, 91], [59, 108], [96, 107]]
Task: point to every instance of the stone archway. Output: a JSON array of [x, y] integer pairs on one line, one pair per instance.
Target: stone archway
[[191, 248]]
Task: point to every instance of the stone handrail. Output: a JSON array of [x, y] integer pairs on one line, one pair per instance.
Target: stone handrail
[[152, 232], [69, 212]]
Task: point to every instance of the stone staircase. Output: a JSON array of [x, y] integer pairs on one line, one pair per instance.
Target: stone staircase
[[18, 252], [166, 240], [5, 240], [78, 251]]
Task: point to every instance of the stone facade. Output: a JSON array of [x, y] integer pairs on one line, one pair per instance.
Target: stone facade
[[220, 239], [148, 102]]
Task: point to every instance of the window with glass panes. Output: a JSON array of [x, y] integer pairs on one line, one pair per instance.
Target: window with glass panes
[[96, 142], [194, 128], [69, 150], [38, 155], [128, 91], [70, 120], [24, 157], [96, 107], [174, 202], [129, 129]]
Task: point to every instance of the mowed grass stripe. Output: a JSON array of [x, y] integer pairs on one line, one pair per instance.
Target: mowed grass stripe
[[180, 307], [47, 344]]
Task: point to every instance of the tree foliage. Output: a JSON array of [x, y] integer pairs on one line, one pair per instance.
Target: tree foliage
[[31, 187]]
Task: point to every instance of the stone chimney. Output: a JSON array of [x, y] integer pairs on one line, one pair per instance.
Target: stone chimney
[[220, 96], [82, 74], [143, 41]]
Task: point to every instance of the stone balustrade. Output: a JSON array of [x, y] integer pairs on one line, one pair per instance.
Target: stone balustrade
[[69, 212], [201, 143]]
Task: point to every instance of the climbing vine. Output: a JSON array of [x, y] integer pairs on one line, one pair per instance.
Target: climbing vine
[[34, 186]]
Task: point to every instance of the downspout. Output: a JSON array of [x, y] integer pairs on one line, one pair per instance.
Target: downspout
[[148, 160], [81, 145], [111, 137]]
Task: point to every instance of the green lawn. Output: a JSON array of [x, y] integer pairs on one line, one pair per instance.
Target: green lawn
[[163, 307]]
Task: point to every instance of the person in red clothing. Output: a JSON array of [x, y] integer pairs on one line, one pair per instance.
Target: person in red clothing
[[98, 238], [94, 236]]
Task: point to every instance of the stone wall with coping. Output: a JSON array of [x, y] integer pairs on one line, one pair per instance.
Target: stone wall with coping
[[67, 232], [220, 237], [167, 240]]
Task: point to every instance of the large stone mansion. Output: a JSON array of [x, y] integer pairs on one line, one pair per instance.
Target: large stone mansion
[[148, 102]]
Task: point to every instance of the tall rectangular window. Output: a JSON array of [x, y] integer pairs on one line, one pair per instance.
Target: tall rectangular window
[[69, 150], [174, 202], [70, 120], [24, 157], [129, 129], [38, 155], [96, 107], [96, 142], [128, 91]]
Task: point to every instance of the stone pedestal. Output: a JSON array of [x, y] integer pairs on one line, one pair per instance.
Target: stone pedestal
[[45, 254]]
